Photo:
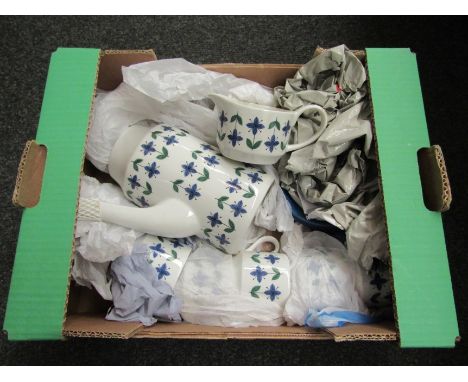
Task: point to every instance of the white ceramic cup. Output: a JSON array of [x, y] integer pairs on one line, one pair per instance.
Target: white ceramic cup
[[167, 256], [264, 275], [259, 134]]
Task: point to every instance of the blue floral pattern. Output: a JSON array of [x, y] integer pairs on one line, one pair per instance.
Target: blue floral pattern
[[255, 126], [211, 160], [162, 271], [272, 292], [134, 182], [233, 185], [171, 140], [214, 219], [259, 273], [222, 118], [238, 208], [271, 143], [286, 129], [148, 148], [152, 170], [189, 169], [192, 191], [272, 258], [235, 137], [255, 177]]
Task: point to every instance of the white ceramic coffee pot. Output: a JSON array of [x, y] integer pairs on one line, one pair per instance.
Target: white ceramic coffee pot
[[185, 186]]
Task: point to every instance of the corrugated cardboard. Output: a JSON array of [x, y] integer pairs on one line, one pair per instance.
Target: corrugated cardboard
[[85, 313]]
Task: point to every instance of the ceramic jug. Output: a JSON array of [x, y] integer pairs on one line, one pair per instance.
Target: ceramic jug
[[185, 186], [259, 134]]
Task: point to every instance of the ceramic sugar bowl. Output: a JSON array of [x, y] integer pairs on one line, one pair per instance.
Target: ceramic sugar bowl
[[264, 275], [185, 186]]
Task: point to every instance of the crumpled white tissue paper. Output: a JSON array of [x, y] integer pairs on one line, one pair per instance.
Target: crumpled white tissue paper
[[97, 241], [323, 281], [173, 92]]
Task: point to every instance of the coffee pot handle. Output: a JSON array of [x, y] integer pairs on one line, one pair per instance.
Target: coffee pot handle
[[169, 218], [314, 137]]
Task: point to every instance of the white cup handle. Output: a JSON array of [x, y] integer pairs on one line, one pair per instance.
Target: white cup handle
[[265, 239], [313, 138]]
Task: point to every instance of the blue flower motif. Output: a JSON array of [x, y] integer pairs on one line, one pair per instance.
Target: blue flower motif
[[189, 169], [259, 273], [134, 182], [271, 143], [222, 118], [234, 137], [192, 192], [142, 201], [176, 243], [148, 148], [255, 177], [233, 185], [272, 258], [162, 271], [255, 126], [238, 208], [157, 248], [212, 160], [286, 128], [222, 239], [168, 128], [171, 140], [206, 146], [272, 292], [152, 170], [214, 219]]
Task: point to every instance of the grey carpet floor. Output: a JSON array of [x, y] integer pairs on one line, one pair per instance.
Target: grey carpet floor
[[440, 44]]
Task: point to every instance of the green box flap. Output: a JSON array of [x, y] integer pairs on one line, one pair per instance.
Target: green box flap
[[36, 302], [423, 289]]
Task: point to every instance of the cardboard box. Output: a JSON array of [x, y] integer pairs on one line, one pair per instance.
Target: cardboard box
[[43, 304]]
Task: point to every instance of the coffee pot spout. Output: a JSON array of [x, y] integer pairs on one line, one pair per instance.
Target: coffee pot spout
[[170, 218]]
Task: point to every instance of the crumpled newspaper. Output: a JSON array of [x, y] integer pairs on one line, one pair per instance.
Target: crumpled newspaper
[[172, 91], [334, 178]]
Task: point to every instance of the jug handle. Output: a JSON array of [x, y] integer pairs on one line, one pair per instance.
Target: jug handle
[[313, 138], [170, 218]]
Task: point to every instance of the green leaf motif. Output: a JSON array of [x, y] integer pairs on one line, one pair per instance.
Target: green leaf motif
[[249, 144], [129, 193], [174, 254], [154, 134], [257, 145], [221, 136], [205, 176], [237, 118], [277, 274], [255, 258], [181, 134], [148, 190], [221, 200], [207, 231], [231, 228], [283, 145], [250, 193], [175, 184], [254, 290], [194, 155], [274, 124], [238, 171], [164, 154], [135, 163]]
